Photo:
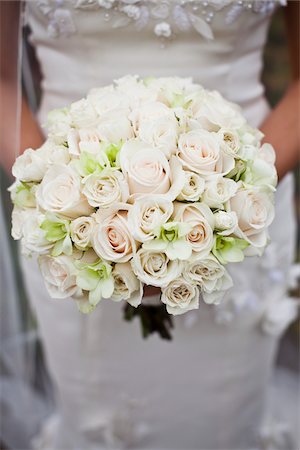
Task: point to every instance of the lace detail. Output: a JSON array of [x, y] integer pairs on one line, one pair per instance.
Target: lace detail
[[167, 18]]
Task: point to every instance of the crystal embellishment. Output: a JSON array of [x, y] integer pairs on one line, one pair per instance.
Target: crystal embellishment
[[167, 18]]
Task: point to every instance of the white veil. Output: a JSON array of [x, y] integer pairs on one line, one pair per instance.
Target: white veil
[[25, 390]]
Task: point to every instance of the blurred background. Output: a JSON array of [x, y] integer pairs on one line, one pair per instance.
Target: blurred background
[[26, 394]]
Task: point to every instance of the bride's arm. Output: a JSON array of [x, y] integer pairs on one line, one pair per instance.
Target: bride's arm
[[31, 135], [281, 128]]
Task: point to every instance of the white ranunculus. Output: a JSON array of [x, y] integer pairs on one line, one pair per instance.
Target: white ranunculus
[[81, 231], [112, 239], [155, 268], [149, 172], [29, 166], [230, 141], [180, 296], [53, 153], [255, 211], [225, 222], [83, 114], [161, 133], [114, 128], [201, 219], [59, 275], [60, 192], [149, 112], [34, 240], [213, 112], [106, 188], [126, 285], [148, 214], [199, 151], [218, 190], [211, 277], [193, 187]]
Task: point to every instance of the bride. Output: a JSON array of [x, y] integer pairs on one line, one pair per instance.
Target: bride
[[206, 389]]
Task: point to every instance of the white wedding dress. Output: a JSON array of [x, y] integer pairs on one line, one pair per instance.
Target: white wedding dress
[[207, 388]]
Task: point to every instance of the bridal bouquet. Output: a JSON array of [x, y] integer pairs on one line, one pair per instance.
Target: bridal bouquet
[[144, 182]]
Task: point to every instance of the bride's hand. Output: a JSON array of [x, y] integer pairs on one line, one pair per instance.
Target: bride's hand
[[151, 290]]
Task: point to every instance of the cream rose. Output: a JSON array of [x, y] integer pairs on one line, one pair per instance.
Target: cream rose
[[155, 268], [106, 100], [149, 172], [193, 187], [59, 275], [81, 231], [211, 277], [126, 285], [218, 190], [30, 166], [225, 222], [230, 141], [161, 133], [180, 296], [134, 90], [60, 192], [106, 188], [201, 219], [255, 211], [148, 214], [213, 112], [199, 151], [112, 239]]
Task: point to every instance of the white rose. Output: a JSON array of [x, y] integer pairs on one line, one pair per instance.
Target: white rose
[[201, 219], [255, 212], [149, 172], [155, 268], [112, 239], [34, 240], [148, 214], [59, 124], [161, 133], [180, 296], [126, 285], [218, 190], [193, 187], [81, 231], [149, 112], [225, 222], [172, 90], [135, 90], [114, 128], [53, 153], [19, 217], [106, 100], [213, 112], [199, 151], [60, 192], [59, 275], [83, 140], [211, 277], [29, 166], [260, 168], [230, 141], [83, 114], [106, 188]]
